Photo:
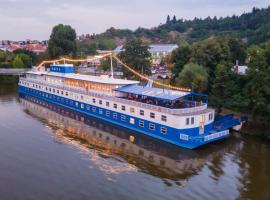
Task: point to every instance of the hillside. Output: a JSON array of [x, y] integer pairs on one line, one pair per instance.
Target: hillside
[[252, 28]]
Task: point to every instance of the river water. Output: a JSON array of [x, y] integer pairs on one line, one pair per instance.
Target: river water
[[47, 152]]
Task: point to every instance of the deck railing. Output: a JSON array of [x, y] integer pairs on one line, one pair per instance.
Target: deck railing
[[98, 94]]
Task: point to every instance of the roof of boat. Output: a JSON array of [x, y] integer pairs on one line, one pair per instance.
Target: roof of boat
[[158, 93], [84, 77]]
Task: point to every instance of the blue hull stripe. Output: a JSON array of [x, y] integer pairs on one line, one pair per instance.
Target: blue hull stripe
[[172, 135]]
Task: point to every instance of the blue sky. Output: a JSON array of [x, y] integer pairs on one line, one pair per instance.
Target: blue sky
[[34, 19]]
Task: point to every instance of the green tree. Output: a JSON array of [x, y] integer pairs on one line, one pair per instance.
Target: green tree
[[136, 54], [223, 87], [257, 89], [174, 20], [17, 62], [193, 76], [26, 59], [168, 21], [62, 41], [33, 56], [179, 58]]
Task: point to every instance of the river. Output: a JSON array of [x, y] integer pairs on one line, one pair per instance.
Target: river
[[47, 152]]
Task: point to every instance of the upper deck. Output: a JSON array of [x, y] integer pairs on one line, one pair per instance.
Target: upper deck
[[88, 78], [166, 98]]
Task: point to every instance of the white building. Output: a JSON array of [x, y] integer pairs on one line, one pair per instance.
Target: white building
[[158, 51]]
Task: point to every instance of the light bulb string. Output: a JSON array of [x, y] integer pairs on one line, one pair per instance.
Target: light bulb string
[[122, 63]]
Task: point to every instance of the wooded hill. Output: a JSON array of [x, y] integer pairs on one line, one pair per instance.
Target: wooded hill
[[252, 27]]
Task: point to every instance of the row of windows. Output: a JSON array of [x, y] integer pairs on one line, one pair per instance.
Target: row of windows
[[152, 126], [132, 110], [202, 119], [190, 121]]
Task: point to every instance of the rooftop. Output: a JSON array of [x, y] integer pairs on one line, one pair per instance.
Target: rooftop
[[154, 48]]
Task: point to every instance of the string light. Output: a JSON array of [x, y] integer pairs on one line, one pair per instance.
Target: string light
[[122, 63]]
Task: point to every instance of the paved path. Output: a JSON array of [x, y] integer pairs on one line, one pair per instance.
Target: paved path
[[13, 71]]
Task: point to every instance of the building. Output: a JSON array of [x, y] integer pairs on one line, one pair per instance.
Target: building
[[34, 46], [240, 69], [158, 51]]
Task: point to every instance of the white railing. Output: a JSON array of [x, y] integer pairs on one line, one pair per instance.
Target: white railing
[[120, 100]]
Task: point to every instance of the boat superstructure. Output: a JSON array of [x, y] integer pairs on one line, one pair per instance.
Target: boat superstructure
[[179, 117]]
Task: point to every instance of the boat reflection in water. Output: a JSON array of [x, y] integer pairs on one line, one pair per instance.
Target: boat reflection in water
[[138, 151]]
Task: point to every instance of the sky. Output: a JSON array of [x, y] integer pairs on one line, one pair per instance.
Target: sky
[[34, 19]]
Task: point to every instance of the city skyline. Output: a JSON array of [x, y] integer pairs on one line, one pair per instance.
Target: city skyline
[[29, 19]]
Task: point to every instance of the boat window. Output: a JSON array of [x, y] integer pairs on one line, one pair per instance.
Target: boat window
[[87, 107], [100, 102], [163, 130], [152, 126], [163, 118], [76, 104], [107, 104], [187, 121], [192, 120], [132, 110], [123, 108], [57, 91], [100, 111], [82, 106], [132, 120], [115, 115], [94, 109], [210, 116], [94, 100], [142, 112], [66, 93], [107, 113], [81, 97], [62, 92], [115, 105], [123, 117], [141, 123], [152, 115]]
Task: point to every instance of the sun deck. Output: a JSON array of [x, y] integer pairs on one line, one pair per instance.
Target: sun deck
[[172, 99]]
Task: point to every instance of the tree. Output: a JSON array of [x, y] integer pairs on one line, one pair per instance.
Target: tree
[[179, 58], [17, 62], [257, 89], [193, 76], [174, 20], [136, 54], [33, 56], [62, 41], [168, 21], [26, 59], [223, 87]]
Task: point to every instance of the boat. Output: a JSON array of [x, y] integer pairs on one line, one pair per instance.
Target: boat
[[180, 117]]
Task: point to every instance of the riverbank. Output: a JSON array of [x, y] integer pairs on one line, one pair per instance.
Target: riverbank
[[251, 127]]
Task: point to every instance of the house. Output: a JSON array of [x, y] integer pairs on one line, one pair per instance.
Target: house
[[240, 69]]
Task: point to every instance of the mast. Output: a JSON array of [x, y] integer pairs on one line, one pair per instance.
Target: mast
[[111, 66]]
